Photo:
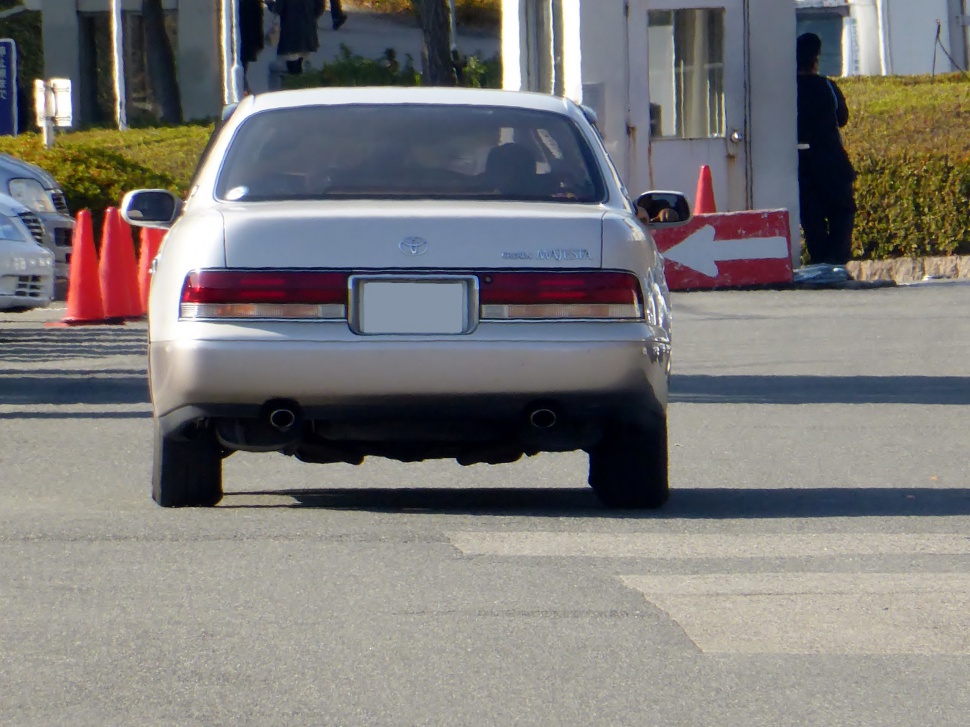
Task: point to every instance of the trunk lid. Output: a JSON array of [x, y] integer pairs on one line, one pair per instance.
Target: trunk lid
[[412, 234]]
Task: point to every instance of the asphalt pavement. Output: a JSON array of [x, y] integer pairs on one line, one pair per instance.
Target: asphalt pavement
[[811, 568]]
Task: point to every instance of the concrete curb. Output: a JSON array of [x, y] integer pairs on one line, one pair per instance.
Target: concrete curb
[[911, 270]]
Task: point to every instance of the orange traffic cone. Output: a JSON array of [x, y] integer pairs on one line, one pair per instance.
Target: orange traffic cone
[[704, 199], [131, 267], [118, 270], [84, 306], [151, 241]]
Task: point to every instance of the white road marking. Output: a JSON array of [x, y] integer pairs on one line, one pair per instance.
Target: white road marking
[[780, 613], [817, 613], [692, 546]]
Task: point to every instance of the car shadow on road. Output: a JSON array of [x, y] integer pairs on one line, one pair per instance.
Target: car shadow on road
[[40, 345], [923, 390], [78, 386], [697, 503]]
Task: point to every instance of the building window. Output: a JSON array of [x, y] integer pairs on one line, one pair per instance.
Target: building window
[[97, 66], [686, 67], [827, 26]]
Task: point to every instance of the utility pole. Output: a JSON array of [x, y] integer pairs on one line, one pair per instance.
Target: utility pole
[[118, 50], [231, 62], [959, 25]]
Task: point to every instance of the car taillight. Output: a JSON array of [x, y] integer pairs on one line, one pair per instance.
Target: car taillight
[[264, 294], [549, 295]]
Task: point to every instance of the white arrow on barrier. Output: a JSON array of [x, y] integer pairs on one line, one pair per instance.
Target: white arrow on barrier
[[701, 252]]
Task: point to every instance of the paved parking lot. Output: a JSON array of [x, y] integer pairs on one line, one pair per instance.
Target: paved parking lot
[[812, 567]]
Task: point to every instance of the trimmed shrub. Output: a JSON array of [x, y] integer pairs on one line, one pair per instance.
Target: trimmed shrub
[[481, 73], [97, 168], [348, 69], [909, 139], [912, 205], [486, 13]]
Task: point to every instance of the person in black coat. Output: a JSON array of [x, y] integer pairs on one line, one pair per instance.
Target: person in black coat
[[251, 41], [337, 15], [298, 30], [825, 174]]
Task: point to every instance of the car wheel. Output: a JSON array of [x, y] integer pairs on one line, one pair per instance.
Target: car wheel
[[629, 470], [186, 472]]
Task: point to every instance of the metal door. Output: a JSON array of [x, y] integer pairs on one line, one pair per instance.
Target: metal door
[[689, 96]]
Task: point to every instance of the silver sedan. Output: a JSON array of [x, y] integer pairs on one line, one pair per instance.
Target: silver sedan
[[412, 274]]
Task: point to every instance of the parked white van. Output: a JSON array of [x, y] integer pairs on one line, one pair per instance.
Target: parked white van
[[48, 217]]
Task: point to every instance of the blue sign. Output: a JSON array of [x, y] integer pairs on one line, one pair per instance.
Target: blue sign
[[8, 87]]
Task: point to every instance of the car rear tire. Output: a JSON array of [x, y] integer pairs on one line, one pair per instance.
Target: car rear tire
[[629, 469], [187, 472]]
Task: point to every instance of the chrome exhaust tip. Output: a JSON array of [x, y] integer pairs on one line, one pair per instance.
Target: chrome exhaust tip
[[542, 418], [282, 420]]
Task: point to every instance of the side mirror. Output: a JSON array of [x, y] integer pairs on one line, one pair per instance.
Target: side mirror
[[663, 209], [151, 208]]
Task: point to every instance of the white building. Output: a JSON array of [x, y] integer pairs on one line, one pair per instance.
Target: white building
[[888, 37], [77, 40], [676, 84]]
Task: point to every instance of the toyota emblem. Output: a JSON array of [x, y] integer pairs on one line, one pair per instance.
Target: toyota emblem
[[414, 246]]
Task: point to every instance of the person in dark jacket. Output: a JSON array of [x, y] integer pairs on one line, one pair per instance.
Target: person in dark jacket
[[298, 30], [250, 34], [825, 174], [337, 14]]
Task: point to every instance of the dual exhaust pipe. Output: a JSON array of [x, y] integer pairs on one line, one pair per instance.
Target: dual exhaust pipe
[[280, 421], [283, 418]]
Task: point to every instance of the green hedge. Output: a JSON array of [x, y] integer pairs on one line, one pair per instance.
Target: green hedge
[[96, 168], [348, 69], [912, 205], [909, 138], [487, 13]]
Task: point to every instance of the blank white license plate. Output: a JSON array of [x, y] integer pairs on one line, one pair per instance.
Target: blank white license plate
[[413, 307]]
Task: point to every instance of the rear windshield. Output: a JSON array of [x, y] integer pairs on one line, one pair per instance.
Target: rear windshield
[[410, 151]]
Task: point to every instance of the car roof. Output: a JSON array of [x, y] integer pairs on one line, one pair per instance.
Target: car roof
[[391, 95], [12, 167]]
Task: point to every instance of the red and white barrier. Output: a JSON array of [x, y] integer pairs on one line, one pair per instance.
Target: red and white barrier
[[728, 250]]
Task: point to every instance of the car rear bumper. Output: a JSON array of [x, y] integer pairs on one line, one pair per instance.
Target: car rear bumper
[[26, 276], [397, 381]]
